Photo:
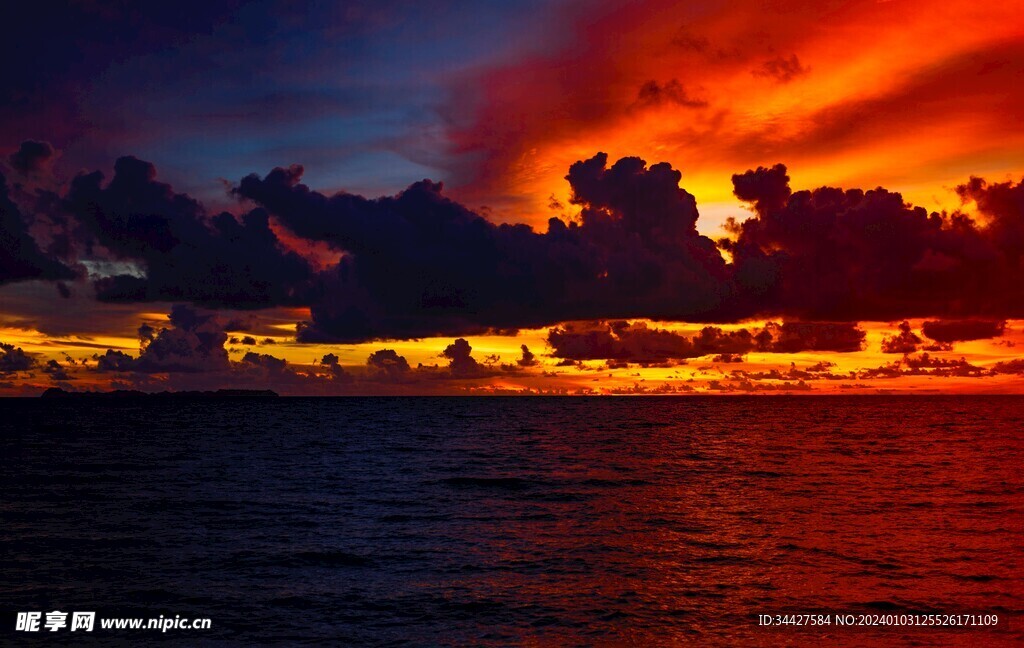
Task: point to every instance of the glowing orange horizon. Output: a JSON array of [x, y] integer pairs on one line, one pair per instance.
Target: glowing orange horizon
[[551, 375]]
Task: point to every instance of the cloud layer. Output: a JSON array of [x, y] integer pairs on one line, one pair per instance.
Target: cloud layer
[[184, 254], [20, 255], [852, 254], [638, 342], [419, 264]]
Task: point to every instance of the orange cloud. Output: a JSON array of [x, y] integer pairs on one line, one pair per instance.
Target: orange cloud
[[911, 95]]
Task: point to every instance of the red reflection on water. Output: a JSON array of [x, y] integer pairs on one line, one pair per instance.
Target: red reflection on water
[[686, 522]]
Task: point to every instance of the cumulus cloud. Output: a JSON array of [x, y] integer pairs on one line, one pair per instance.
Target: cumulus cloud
[[527, 359], [767, 188], [418, 264], [906, 341], [867, 255], [1003, 204], [728, 358], [949, 331], [193, 343], [794, 337], [926, 364], [182, 253], [190, 354], [616, 341], [817, 371], [387, 363], [56, 371], [265, 361], [14, 359], [754, 386], [1015, 366], [638, 342], [332, 362], [20, 256], [462, 364], [114, 360]]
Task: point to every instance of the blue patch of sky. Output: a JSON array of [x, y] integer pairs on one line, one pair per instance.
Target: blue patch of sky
[[337, 88]]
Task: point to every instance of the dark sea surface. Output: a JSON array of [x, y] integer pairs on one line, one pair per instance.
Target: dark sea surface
[[511, 521]]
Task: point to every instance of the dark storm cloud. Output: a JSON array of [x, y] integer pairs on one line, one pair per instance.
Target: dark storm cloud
[[637, 342], [906, 341], [461, 362], [795, 337], [332, 363], [728, 358], [1015, 366], [1003, 204], [387, 363], [767, 189], [949, 331], [419, 264], [190, 354], [13, 359], [266, 361], [31, 157], [114, 361], [617, 341], [527, 359], [866, 255], [221, 261], [194, 343], [20, 256]]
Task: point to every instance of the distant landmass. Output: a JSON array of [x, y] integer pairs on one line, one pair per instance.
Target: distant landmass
[[56, 392]]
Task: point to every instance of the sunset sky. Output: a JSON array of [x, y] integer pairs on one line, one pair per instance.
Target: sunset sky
[[623, 197]]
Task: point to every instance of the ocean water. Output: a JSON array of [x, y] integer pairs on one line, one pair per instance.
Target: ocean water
[[512, 521]]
